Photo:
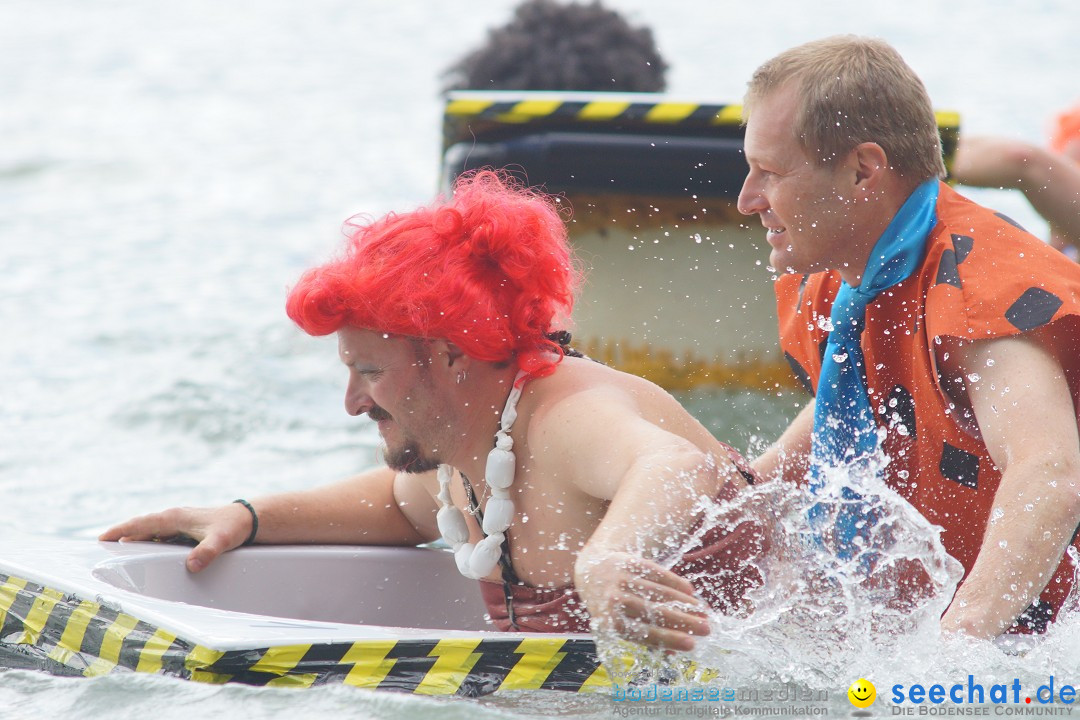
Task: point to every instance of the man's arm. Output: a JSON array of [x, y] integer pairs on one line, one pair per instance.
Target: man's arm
[[654, 481], [789, 457], [1024, 409], [374, 508], [1049, 180]]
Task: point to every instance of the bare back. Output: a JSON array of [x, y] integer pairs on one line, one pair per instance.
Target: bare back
[[578, 433]]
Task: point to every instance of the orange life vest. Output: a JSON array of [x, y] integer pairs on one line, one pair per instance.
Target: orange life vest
[[982, 277]]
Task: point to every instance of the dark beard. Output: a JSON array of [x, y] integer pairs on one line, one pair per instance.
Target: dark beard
[[408, 458]]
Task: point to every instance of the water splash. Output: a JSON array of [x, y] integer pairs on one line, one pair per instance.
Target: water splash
[[821, 621]]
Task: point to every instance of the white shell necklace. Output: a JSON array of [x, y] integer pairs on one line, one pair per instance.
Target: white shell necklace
[[479, 560]]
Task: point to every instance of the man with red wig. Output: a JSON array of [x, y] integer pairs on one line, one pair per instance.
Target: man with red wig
[[564, 486]]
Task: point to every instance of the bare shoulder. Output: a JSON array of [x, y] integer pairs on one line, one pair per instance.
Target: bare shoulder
[[585, 403], [415, 495], [580, 388], [590, 428]]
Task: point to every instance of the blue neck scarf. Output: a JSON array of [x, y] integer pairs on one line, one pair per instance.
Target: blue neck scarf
[[844, 426]]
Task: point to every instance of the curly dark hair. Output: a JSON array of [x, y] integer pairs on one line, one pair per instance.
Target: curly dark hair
[[551, 46]]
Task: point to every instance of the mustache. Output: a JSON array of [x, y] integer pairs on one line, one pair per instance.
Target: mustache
[[377, 414]]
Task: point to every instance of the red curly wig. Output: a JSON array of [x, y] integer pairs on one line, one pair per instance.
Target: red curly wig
[[489, 269]]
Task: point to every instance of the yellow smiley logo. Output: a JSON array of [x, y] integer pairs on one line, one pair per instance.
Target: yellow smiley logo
[[862, 693]]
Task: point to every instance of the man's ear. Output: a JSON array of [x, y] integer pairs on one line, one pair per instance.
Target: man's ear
[[455, 356], [870, 164], [448, 355]]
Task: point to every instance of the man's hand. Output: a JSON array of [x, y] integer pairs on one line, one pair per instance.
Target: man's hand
[[640, 600], [216, 530]]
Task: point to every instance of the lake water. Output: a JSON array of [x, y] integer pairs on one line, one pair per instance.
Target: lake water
[[167, 170]]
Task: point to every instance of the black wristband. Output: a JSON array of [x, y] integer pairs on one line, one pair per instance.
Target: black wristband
[[254, 521]]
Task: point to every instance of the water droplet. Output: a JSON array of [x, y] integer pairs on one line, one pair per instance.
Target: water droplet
[[1003, 544], [989, 362], [1029, 507], [974, 377], [997, 515]]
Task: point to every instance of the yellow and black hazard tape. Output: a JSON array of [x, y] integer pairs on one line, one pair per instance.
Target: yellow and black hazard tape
[[44, 629], [599, 110], [469, 114], [602, 109], [466, 111]]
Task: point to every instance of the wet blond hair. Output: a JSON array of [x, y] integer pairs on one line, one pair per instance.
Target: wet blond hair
[[854, 90]]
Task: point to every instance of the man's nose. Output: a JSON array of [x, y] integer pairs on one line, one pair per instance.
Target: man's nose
[[357, 399], [750, 198]]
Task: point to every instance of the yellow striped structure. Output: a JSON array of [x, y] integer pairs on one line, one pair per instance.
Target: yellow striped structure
[[657, 112], [636, 169], [44, 629], [689, 371], [470, 114]]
